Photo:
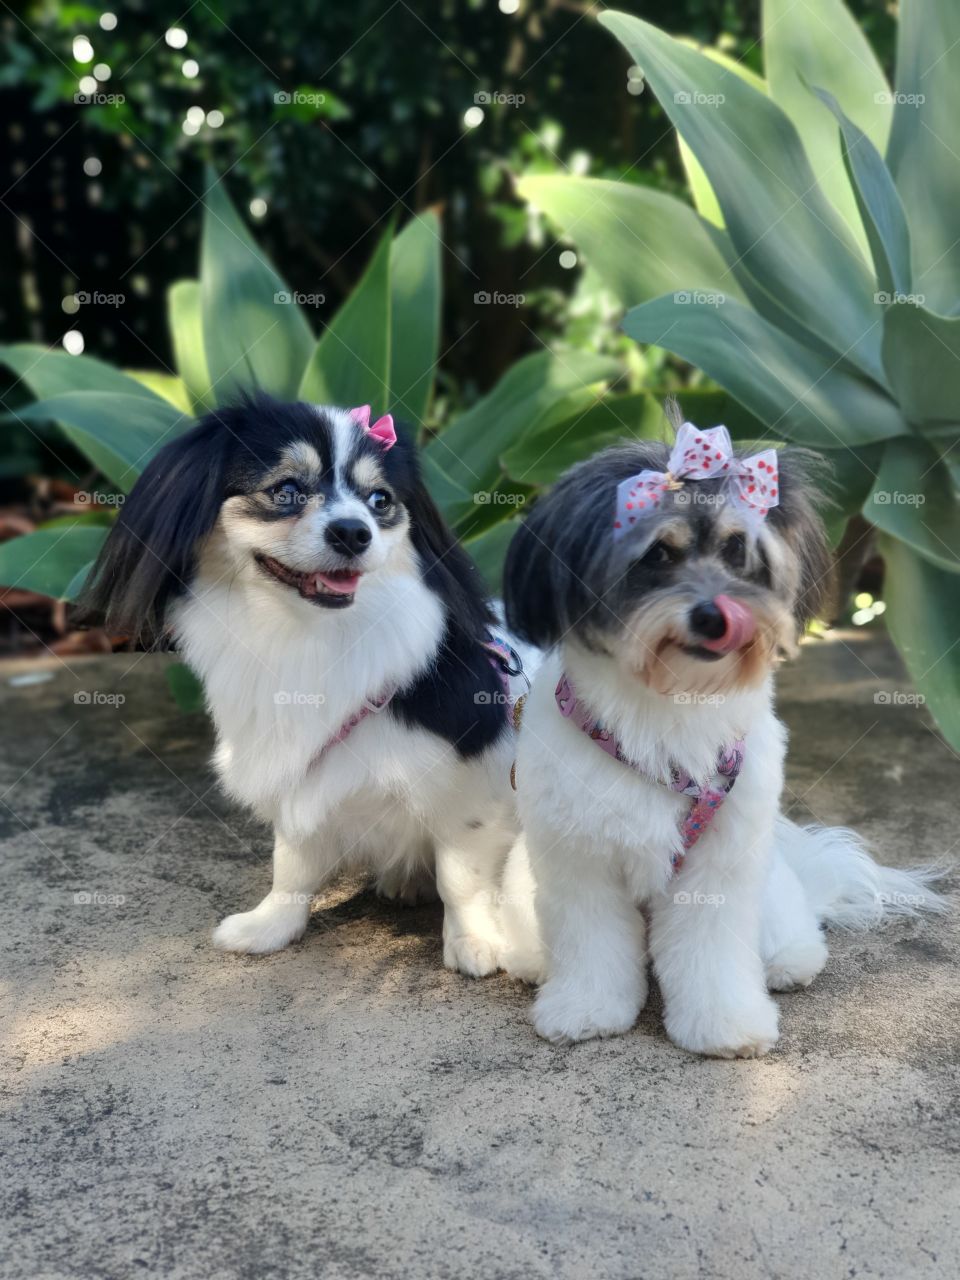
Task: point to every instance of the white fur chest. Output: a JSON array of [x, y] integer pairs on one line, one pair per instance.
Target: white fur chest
[[571, 789], [282, 681]]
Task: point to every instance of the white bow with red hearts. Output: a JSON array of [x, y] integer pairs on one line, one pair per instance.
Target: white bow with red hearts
[[702, 455]]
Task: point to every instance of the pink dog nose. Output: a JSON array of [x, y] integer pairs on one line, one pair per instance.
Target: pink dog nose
[[725, 624]]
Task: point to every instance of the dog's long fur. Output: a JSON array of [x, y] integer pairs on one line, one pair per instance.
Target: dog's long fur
[[220, 549], [744, 912]]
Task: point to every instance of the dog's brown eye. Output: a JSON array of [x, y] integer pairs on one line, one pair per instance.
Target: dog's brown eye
[[380, 500], [287, 493], [659, 555], [734, 551]]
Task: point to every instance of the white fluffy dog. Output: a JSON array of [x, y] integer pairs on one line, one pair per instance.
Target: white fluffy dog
[[348, 654], [650, 759]]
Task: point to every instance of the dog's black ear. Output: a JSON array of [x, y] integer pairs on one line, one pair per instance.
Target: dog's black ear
[[447, 568], [558, 560], [150, 553], [803, 478]]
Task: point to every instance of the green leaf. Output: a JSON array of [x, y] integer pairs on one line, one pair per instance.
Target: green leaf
[[878, 203], [914, 500], [350, 364], [544, 453], [704, 199], [853, 473], [921, 352], [639, 241], [50, 561], [923, 155], [923, 615], [788, 235], [468, 452], [786, 385], [50, 373], [415, 290], [254, 334], [819, 42], [118, 433], [185, 321], [167, 386], [489, 551], [186, 689]]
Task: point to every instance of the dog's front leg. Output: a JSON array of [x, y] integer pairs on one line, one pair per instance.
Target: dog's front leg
[[299, 865], [468, 881], [705, 943], [593, 937]]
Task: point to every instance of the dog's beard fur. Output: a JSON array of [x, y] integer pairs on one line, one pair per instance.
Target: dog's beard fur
[[655, 639]]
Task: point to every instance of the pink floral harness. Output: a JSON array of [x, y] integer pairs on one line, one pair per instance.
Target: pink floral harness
[[706, 797]]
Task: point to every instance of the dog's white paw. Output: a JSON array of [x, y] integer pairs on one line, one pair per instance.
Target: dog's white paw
[[796, 964], [470, 953], [525, 964], [745, 1030], [563, 1014], [409, 888], [269, 927]]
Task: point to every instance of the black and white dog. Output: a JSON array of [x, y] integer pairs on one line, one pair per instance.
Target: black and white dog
[[668, 583], [293, 555]]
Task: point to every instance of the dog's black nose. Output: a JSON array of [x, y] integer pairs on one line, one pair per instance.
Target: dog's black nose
[[349, 537], [707, 620]]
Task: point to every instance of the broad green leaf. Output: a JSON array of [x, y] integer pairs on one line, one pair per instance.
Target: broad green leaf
[[914, 500], [49, 373], [167, 387], [788, 235], [921, 352], [640, 242], [50, 561], [820, 43], [703, 196], [350, 364], [923, 154], [923, 615], [414, 316], [185, 687], [489, 551], [118, 433], [878, 203], [468, 452], [544, 453], [254, 333], [786, 385], [853, 473], [185, 322], [711, 406]]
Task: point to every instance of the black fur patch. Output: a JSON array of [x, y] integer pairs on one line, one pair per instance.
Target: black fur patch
[[460, 697]]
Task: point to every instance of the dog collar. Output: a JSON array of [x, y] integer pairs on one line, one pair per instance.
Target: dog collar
[[705, 798]]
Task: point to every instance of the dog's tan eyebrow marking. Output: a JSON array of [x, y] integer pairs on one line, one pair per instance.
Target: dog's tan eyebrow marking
[[675, 533], [302, 458], [366, 473]]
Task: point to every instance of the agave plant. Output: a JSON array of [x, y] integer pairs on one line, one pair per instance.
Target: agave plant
[[238, 327], [818, 277]]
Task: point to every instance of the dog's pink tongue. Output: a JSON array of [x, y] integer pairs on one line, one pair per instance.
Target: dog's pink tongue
[[344, 584], [740, 628]]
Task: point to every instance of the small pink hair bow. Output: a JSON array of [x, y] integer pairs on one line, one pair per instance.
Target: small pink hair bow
[[702, 455], [382, 430]]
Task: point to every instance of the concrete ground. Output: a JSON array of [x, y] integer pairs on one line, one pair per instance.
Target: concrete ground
[[348, 1108]]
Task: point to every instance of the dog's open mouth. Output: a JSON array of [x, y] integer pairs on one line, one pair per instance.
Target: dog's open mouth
[[334, 588]]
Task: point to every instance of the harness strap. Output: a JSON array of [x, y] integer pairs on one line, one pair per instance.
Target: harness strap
[[706, 797]]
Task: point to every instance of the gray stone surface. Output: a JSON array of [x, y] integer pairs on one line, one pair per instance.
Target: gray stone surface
[[348, 1108]]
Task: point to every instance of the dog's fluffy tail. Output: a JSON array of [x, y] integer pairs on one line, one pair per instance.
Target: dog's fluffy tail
[[845, 886]]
